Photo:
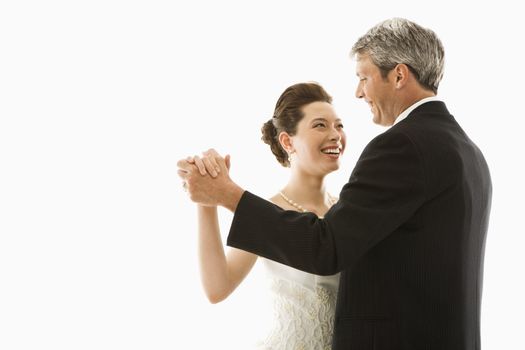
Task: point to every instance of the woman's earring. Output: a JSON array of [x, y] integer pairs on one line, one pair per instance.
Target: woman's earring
[[290, 156]]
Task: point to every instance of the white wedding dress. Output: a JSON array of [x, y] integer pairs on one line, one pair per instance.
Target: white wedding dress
[[304, 308]]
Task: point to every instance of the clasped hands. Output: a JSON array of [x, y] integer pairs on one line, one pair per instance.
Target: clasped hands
[[207, 180]]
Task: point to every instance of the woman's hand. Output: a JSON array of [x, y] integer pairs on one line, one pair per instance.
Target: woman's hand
[[208, 162], [216, 189]]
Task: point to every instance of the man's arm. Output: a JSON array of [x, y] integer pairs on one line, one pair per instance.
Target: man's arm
[[385, 189]]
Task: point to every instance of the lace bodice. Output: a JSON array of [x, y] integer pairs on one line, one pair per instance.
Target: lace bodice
[[304, 307]]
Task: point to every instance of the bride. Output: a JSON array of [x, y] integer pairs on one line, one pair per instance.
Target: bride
[[305, 135]]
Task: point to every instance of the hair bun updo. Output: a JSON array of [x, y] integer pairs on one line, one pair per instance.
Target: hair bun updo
[[270, 137]]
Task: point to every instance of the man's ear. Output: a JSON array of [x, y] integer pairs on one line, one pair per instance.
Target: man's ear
[[286, 142], [401, 72]]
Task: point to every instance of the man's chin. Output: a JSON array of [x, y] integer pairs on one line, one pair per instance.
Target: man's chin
[[382, 122]]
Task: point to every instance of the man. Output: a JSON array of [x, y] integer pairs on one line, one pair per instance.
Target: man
[[408, 231]]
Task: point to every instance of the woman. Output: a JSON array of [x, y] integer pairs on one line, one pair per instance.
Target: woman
[[306, 135]]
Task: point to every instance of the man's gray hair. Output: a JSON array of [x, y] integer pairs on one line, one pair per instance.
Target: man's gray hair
[[399, 40]]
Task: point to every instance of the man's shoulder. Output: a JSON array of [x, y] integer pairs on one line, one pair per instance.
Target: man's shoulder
[[391, 139]]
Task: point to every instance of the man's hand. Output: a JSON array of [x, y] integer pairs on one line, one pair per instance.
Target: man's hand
[[207, 180]]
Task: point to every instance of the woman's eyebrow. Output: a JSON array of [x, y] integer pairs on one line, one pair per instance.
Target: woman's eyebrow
[[324, 119]]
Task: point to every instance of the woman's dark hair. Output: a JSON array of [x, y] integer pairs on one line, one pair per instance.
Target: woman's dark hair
[[288, 113]]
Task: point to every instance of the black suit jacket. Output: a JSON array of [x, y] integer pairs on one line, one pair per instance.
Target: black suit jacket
[[407, 234]]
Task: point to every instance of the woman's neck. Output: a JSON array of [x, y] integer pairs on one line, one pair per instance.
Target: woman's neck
[[307, 190]]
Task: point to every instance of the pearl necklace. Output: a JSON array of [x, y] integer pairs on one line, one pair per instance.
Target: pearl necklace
[[331, 200]]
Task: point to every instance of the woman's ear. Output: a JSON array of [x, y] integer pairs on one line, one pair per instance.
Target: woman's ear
[[286, 142]]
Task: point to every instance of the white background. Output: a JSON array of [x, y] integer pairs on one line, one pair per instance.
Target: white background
[[99, 99]]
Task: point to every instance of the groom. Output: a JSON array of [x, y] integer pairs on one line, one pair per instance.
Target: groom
[[408, 232]]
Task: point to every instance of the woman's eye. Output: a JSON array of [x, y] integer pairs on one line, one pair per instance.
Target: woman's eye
[[318, 125]]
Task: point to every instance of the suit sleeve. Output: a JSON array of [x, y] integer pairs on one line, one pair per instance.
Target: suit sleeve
[[385, 189]]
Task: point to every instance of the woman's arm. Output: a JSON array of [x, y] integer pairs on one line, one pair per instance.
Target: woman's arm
[[220, 274]]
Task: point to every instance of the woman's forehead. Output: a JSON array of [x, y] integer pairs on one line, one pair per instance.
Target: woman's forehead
[[319, 110]]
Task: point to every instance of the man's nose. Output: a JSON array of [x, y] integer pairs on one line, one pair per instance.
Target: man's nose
[[359, 92]]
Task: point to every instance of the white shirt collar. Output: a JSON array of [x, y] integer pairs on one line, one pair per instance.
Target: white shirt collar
[[407, 111]]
